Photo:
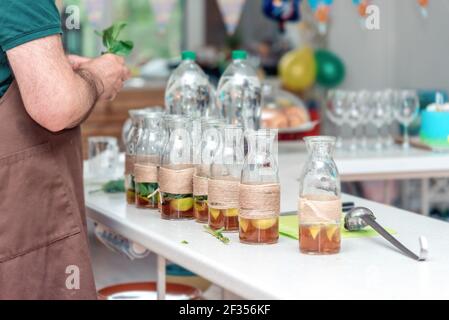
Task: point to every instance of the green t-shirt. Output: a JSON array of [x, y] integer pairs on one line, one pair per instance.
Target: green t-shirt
[[22, 21]]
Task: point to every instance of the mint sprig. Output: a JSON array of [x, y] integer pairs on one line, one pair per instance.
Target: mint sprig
[[217, 234], [112, 43]]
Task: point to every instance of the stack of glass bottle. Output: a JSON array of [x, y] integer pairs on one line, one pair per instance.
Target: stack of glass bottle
[[239, 188]]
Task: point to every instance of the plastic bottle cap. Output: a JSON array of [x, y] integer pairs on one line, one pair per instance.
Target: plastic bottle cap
[[188, 55], [239, 55]]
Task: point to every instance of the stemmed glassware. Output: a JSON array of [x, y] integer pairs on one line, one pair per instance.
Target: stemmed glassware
[[390, 99], [405, 111], [380, 108], [363, 101], [379, 115], [335, 111], [354, 117]]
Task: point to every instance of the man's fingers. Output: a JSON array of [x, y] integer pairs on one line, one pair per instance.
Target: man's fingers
[[126, 74]]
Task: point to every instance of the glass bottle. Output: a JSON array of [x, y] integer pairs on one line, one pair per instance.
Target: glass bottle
[[224, 181], [320, 207], [188, 89], [211, 139], [131, 144], [148, 157], [239, 93], [176, 171], [260, 190]]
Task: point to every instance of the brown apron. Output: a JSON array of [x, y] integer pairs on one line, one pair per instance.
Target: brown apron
[[43, 237]]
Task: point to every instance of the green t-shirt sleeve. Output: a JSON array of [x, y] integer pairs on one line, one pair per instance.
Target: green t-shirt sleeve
[[22, 21]]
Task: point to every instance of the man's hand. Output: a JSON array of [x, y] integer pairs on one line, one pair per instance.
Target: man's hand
[[76, 61], [110, 71]]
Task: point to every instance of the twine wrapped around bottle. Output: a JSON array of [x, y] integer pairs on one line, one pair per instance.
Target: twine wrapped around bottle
[[200, 185], [147, 160], [319, 209], [176, 179], [129, 164], [145, 173], [223, 193], [260, 201]]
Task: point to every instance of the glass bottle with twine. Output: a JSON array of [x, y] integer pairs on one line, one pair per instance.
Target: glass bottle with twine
[[260, 190], [224, 181], [211, 141], [130, 157], [320, 206], [176, 171], [148, 159]]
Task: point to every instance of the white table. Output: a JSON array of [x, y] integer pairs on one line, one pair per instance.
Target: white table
[[367, 268], [394, 164]]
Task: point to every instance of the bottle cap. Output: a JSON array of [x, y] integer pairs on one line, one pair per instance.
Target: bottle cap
[[239, 55], [189, 55]]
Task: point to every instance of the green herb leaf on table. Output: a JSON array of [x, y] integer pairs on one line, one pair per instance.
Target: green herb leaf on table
[[217, 234], [184, 242], [113, 186]]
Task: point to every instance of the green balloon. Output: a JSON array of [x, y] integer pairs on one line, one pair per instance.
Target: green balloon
[[330, 69]]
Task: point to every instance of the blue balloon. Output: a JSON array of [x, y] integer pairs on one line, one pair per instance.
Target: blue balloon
[[314, 4]]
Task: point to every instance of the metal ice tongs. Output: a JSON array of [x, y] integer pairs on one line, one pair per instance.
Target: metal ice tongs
[[358, 218]]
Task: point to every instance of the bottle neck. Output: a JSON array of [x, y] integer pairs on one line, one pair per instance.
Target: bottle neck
[[321, 150]]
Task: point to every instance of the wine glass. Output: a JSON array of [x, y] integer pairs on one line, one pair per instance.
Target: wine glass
[[391, 99], [379, 115], [353, 117], [364, 101], [336, 113], [405, 111]]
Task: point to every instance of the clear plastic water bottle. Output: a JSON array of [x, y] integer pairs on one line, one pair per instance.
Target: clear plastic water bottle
[[188, 90], [239, 93]]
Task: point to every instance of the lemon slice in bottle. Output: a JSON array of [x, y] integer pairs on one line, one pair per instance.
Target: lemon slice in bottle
[[330, 231], [264, 224], [314, 231], [215, 213], [244, 224], [200, 206], [182, 205], [231, 212]]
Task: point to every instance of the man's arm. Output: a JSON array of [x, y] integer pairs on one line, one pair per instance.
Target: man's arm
[[56, 96]]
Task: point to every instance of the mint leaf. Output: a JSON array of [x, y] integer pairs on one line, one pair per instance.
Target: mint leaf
[[121, 48], [117, 29], [110, 40]]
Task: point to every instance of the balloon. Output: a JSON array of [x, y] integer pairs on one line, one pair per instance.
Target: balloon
[[282, 11], [297, 69], [423, 3], [362, 8], [322, 13], [330, 69]]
